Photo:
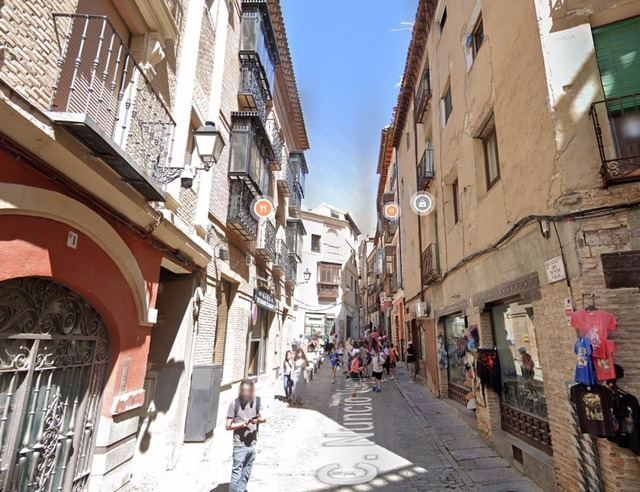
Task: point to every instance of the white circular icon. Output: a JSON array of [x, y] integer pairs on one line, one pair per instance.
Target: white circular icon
[[423, 203]]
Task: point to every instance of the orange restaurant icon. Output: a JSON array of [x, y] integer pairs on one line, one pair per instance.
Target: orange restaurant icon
[[391, 210], [262, 208]]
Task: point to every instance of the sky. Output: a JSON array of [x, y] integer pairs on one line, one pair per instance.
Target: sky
[[348, 57]]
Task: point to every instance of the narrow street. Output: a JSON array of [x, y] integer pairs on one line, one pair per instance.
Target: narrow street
[[418, 444]]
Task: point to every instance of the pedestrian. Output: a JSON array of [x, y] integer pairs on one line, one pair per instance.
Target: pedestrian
[[377, 360], [355, 369], [393, 360], [340, 350], [334, 358], [411, 361], [387, 359], [300, 364], [243, 418], [287, 373]]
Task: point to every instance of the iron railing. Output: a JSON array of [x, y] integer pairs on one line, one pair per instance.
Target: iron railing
[[430, 264], [266, 243], [252, 96], [422, 96], [278, 144], [177, 10], [239, 217], [426, 170], [616, 123], [282, 256], [102, 95], [291, 271], [327, 292], [295, 200]]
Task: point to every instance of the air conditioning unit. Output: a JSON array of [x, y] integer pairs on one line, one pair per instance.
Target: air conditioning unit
[[422, 310]]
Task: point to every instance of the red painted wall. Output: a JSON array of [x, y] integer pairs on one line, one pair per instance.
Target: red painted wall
[[36, 246]]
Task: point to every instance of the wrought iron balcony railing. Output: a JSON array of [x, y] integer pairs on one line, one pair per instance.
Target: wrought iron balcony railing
[[266, 242], [282, 257], [327, 292], [617, 126], [391, 227], [422, 96], [426, 170], [295, 201], [177, 10], [252, 95], [239, 217], [103, 98], [278, 145], [430, 265]]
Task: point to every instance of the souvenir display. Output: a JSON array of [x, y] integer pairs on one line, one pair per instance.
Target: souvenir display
[[584, 364], [596, 325], [594, 406], [488, 369]]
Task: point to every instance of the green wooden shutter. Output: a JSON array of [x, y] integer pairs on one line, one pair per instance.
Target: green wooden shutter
[[618, 55]]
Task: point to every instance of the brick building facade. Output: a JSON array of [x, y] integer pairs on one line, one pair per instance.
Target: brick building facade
[[512, 117]]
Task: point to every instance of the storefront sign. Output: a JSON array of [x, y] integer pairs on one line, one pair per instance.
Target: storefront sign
[[127, 401], [385, 301], [555, 269], [265, 299]]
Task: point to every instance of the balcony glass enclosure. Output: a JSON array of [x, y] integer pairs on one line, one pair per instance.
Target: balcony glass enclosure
[[295, 232], [257, 39], [251, 152]]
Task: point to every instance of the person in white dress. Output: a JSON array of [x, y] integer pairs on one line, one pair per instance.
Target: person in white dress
[[299, 377]]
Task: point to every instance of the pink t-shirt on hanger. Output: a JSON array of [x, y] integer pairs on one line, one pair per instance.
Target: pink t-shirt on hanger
[[596, 325]]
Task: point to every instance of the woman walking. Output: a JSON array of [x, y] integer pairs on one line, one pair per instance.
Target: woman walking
[[411, 361], [334, 358], [393, 359], [287, 375], [299, 380]]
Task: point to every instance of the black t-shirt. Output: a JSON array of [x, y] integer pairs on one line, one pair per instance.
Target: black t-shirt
[[627, 414], [594, 405], [411, 354]]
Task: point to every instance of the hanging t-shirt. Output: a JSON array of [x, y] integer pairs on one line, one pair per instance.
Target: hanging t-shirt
[[596, 325], [488, 369], [594, 405], [605, 368], [584, 364], [627, 414]]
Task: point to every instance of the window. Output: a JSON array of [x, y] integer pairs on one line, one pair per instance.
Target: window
[[443, 19], [315, 243], [328, 273], [456, 202], [447, 105], [335, 215], [491, 159], [477, 37]]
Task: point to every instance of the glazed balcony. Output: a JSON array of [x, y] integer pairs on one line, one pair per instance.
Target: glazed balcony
[[291, 271], [299, 169], [616, 123], [391, 226], [252, 94], [266, 241], [327, 292], [295, 201], [281, 258], [295, 233], [239, 217], [286, 180], [426, 170], [251, 152], [423, 94], [104, 99], [258, 42], [430, 265]]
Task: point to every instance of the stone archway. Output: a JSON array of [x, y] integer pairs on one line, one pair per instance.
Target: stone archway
[[54, 351]]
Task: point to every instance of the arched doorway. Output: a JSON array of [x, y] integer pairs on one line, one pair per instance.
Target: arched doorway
[[54, 351]]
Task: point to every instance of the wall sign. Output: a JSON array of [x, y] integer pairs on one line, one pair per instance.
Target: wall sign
[[265, 299], [127, 401], [555, 269]]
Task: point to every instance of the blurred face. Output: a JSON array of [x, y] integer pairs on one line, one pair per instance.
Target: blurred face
[[246, 392]]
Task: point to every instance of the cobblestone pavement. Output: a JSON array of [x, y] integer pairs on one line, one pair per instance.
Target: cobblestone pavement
[[347, 438]]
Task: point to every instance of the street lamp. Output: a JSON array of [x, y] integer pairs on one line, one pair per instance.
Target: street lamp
[[307, 276], [209, 144]]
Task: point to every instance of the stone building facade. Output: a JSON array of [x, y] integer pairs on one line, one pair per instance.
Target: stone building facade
[[327, 300], [517, 119], [137, 288]]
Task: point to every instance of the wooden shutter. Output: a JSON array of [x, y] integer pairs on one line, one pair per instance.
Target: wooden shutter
[[618, 55]]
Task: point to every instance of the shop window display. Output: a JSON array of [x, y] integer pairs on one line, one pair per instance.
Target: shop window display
[[517, 348], [456, 348]]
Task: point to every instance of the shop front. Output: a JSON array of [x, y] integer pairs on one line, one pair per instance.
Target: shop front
[[455, 356], [262, 314]]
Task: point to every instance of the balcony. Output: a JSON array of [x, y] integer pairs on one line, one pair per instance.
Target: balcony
[[617, 127], [239, 217], [291, 271], [251, 152], [391, 226], [252, 94], [295, 232], [286, 180], [295, 202], [103, 98], [299, 169], [373, 308], [266, 241], [258, 41], [430, 265], [327, 292], [282, 257], [277, 143], [425, 170], [423, 94]]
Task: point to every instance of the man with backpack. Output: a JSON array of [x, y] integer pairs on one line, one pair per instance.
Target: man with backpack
[[243, 418]]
